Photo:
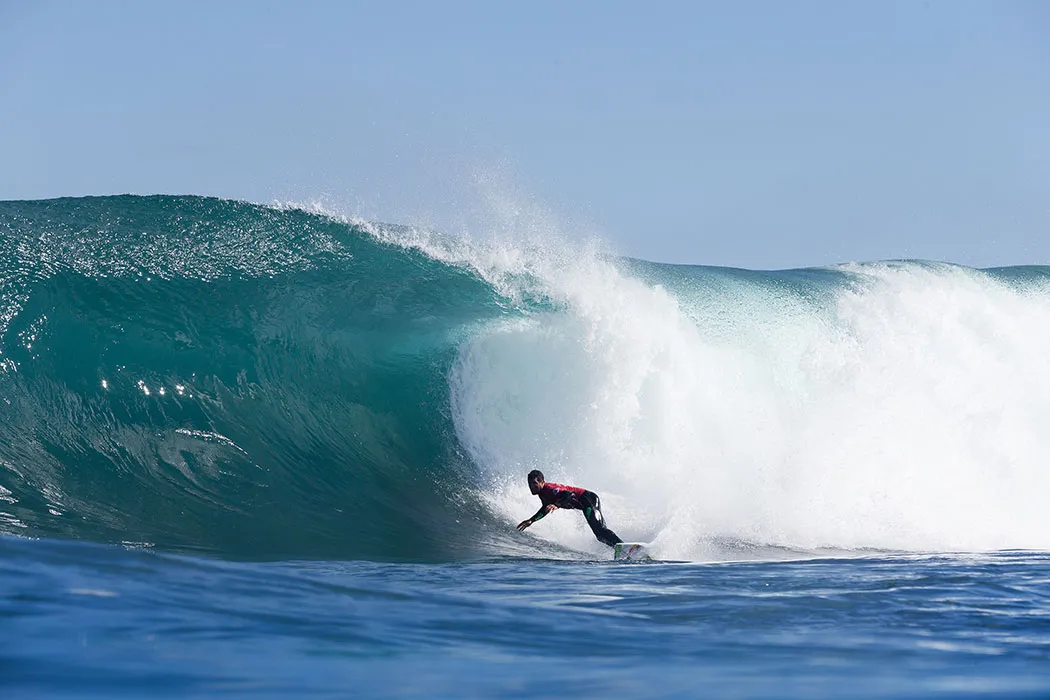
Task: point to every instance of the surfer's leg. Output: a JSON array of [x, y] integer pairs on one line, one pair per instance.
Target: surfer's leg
[[593, 514]]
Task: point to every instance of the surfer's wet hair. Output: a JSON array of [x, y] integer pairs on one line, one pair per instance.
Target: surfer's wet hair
[[536, 475]]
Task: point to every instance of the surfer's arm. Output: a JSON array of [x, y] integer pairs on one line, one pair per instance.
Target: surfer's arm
[[539, 514]]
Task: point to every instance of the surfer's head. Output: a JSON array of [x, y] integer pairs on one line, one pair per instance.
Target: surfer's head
[[536, 481]]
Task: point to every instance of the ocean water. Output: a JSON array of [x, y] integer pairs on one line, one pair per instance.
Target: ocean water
[[268, 451]]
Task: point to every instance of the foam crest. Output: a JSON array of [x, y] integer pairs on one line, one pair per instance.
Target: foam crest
[[899, 409]]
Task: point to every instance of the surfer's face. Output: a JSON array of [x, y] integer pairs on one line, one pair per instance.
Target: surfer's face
[[535, 485]]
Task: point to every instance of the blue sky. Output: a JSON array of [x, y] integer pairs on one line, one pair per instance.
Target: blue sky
[[754, 134]]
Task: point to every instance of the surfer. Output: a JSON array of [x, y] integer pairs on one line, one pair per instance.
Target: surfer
[[554, 496]]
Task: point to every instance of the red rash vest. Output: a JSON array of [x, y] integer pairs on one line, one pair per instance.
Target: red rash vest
[[561, 495]]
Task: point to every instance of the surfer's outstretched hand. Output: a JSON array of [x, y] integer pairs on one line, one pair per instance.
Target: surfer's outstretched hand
[[549, 508]]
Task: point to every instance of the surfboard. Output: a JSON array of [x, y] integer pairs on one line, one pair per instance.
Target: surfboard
[[631, 551]]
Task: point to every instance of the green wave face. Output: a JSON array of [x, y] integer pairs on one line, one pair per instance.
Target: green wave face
[[216, 376]]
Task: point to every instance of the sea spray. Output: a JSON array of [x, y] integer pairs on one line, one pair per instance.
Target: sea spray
[[892, 406]]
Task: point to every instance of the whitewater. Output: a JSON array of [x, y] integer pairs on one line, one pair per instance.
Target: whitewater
[[281, 407]]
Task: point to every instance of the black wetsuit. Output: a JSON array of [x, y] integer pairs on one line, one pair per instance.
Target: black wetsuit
[[580, 499]]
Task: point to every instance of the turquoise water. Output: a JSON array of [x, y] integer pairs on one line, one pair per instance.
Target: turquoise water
[[267, 451]]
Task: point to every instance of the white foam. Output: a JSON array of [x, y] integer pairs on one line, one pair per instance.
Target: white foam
[[906, 411], [907, 415]]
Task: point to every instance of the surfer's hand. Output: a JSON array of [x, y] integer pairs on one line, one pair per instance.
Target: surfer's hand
[[524, 524]]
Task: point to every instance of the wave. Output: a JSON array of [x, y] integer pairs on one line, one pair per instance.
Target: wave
[[268, 382]]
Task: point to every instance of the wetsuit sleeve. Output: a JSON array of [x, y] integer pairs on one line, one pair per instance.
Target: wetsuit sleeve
[[540, 513]]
